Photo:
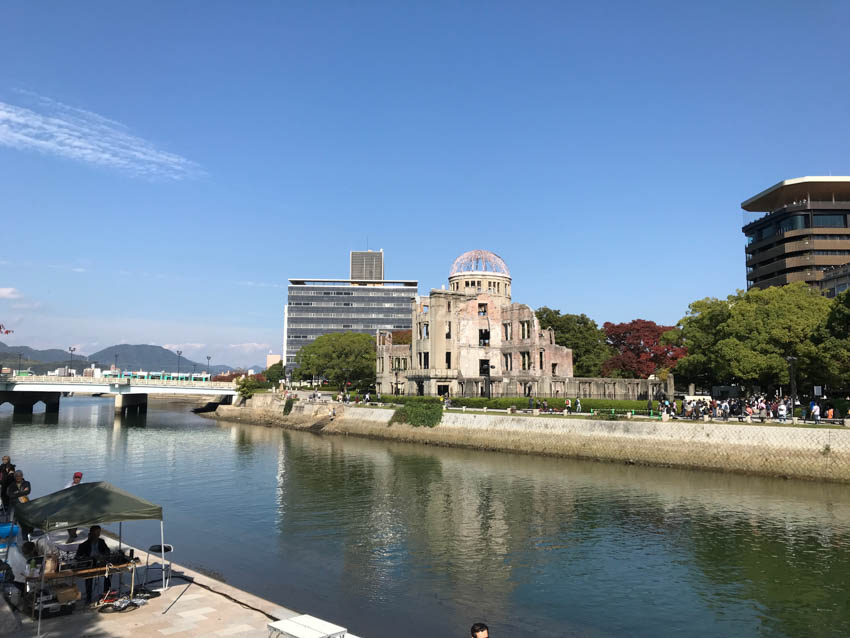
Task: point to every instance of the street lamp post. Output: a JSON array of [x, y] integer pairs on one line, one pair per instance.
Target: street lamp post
[[489, 384], [19, 361], [179, 352], [71, 350], [209, 370]]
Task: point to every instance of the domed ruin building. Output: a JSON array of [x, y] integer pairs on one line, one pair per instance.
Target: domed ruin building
[[472, 340]]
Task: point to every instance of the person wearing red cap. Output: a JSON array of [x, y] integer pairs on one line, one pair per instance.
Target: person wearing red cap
[[78, 477]]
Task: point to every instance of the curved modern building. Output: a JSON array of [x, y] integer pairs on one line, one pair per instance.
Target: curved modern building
[[803, 232]]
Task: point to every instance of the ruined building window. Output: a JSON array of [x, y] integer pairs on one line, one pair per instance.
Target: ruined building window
[[425, 308], [508, 361], [425, 331], [484, 367], [541, 361], [448, 361], [554, 369], [526, 360], [420, 359], [506, 331], [448, 330], [425, 362], [482, 310], [483, 337], [525, 329], [404, 364], [448, 305], [419, 329]]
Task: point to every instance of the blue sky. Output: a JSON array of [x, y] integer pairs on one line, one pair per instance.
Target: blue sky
[[166, 167]]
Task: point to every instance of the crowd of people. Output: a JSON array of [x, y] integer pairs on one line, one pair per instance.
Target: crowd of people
[[758, 408]]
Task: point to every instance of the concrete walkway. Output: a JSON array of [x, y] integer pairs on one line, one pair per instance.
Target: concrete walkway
[[198, 606]]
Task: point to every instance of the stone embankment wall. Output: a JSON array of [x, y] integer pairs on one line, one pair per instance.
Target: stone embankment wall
[[758, 449]]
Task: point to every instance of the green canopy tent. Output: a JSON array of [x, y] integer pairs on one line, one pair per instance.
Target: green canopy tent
[[85, 505]]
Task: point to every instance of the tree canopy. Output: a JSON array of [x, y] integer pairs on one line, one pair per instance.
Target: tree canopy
[[274, 373], [639, 350], [747, 338], [581, 334], [340, 357]]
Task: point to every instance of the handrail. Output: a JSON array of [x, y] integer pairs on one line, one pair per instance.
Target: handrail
[[223, 385]]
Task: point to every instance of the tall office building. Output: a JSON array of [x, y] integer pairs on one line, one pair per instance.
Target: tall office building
[[366, 303], [367, 265], [803, 232]]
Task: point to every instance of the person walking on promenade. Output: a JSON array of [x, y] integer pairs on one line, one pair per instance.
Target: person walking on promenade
[[578, 404], [479, 630], [18, 492], [568, 406], [75, 480], [7, 477], [816, 412], [781, 411]]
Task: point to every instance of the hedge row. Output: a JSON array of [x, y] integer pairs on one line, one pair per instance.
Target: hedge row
[[419, 414]]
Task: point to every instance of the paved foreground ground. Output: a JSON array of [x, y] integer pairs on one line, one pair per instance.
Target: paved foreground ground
[[205, 607]]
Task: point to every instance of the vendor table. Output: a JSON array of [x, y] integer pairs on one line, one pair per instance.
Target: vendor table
[[34, 582]]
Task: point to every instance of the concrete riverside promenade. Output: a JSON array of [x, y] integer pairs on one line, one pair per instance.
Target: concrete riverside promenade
[[194, 605], [130, 394], [771, 450]]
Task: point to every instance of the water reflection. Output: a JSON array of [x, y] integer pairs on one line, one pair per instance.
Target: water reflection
[[382, 536]]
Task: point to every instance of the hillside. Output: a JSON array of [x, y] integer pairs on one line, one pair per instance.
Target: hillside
[[10, 353], [148, 357], [130, 357]]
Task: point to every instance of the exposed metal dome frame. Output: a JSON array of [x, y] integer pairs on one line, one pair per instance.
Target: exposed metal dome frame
[[479, 261]]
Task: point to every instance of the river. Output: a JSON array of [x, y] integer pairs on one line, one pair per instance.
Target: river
[[397, 539]]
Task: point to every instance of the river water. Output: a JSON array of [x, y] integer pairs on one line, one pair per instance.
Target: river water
[[395, 539]]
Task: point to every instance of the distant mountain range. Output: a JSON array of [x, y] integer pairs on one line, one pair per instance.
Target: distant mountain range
[[130, 357]]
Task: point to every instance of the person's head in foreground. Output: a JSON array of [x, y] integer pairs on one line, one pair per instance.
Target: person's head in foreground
[[479, 630]]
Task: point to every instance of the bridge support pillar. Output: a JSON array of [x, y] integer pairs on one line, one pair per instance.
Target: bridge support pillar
[[127, 403], [23, 402]]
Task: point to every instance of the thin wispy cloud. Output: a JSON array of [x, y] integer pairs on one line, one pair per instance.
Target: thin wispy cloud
[[9, 293], [259, 284], [183, 346], [58, 129], [248, 347]]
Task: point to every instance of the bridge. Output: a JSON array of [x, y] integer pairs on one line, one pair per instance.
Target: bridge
[[130, 394]]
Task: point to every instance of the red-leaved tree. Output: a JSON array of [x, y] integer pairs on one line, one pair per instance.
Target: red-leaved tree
[[640, 351]]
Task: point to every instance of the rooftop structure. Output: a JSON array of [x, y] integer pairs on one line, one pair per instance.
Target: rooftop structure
[[478, 271], [367, 265], [804, 231], [479, 261]]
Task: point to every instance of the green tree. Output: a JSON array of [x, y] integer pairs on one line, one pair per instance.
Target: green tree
[[581, 334], [339, 357], [833, 343], [247, 386], [274, 373], [746, 338]]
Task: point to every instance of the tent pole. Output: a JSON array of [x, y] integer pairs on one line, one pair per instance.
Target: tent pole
[[120, 545], [162, 549], [40, 595]]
